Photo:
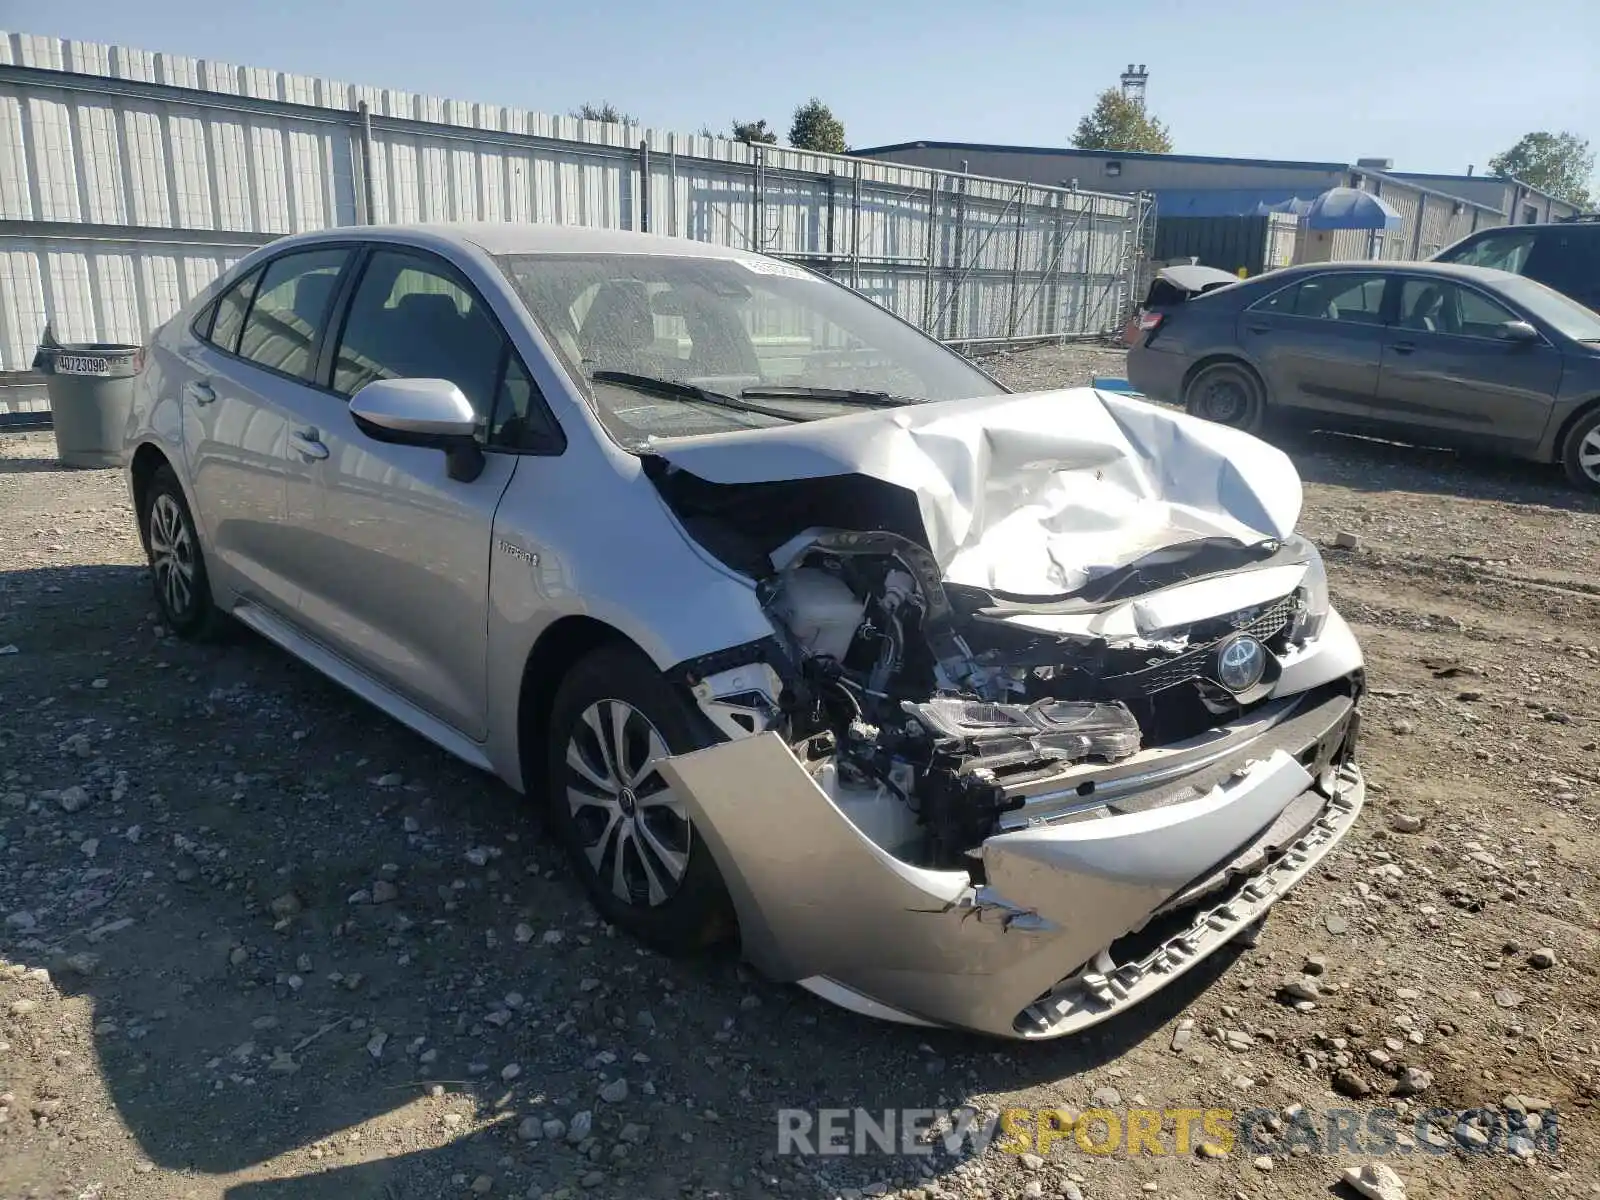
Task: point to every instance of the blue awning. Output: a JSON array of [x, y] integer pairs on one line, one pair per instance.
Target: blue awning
[[1350, 208]]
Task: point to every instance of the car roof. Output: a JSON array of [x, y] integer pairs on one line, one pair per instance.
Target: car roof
[[1482, 275], [506, 237]]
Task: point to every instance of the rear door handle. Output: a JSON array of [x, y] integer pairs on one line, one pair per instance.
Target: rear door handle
[[199, 391], [1256, 328], [308, 445], [1402, 347]]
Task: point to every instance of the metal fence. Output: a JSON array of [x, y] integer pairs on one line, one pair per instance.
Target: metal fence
[[130, 179]]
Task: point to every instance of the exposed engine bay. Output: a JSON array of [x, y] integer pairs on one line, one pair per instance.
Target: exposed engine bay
[[927, 709], [939, 705]]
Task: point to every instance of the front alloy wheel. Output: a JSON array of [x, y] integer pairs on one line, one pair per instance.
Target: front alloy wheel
[[630, 825], [613, 721]]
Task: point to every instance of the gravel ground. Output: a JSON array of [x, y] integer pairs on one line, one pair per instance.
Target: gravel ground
[[258, 941]]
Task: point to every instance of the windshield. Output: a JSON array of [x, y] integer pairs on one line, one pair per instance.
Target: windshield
[[1562, 313], [764, 343]]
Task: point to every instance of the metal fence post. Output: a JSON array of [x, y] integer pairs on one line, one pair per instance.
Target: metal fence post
[[833, 216], [1016, 260], [933, 251], [672, 187], [959, 255], [368, 215], [644, 185], [855, 227], [1053, 278], [758, 239]]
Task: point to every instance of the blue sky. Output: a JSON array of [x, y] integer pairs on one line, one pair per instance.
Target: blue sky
[[1433, 84]]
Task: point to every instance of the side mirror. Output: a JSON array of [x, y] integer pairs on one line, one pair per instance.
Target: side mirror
[[422, 412], [1519, 331]]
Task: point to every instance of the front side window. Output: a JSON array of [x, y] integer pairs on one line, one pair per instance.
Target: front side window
[[1439, 306], [411, 317], [290, 309], [763, 343]]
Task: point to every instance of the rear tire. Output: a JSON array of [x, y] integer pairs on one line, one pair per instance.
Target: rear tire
[[177, 564], [1580, 455], [1227, 393], [629, 839]]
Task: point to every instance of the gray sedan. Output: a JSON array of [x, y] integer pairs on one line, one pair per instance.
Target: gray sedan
[[1450, 355]]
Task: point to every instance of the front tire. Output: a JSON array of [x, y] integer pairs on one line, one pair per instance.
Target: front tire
[[1227, 393], [1581, 454], [177, 564], [614, 718]]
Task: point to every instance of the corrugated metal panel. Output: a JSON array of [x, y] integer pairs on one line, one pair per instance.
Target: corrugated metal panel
[[99, 290], [170, 142]]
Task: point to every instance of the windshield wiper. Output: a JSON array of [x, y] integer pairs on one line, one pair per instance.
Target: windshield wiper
[[863, 396], [689, 391]]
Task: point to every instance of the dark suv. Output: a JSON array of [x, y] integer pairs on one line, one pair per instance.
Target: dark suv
[[1564, 256]]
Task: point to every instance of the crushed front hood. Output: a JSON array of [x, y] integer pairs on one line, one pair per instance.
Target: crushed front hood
[[1032, 494]]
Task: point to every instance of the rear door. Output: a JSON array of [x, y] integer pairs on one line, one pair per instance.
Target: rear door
[[1319, 342], [1448, 369], [257, 354]]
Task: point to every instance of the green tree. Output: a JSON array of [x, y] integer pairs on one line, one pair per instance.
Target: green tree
[[816, 128], [1118, 123], [1558, 163], [752, 132], [604, 111]]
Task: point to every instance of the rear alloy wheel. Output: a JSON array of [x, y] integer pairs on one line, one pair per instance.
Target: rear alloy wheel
[[1229, 394], [1582, 453], [177, 566], [614, 720]]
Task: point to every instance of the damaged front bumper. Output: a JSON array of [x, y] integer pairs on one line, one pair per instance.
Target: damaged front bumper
[[1075, 913]]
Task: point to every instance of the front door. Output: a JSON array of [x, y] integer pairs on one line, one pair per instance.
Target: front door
[[396, 577], [1448, 368], [239, 384], [1319, 342]]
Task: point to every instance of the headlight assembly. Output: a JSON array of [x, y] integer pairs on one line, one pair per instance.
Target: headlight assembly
[[1313, 606]]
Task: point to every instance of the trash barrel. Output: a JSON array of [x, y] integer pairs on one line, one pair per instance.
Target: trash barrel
[[91, 389]]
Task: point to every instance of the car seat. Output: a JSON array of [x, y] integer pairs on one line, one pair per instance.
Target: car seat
[[1427, 311]]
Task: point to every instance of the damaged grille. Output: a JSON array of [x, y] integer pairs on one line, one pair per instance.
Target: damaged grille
[[1264, 624]]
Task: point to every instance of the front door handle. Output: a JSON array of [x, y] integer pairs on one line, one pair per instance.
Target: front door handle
[[307, 444], [199, 391], [1257, 328], [1402, 347]]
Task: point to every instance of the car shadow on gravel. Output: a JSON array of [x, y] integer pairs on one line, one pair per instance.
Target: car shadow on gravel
[[850, 1063], [237, 1032], [1375, 465]]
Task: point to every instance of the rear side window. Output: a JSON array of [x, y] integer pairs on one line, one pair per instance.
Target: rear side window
[[231, 310], [1355, 299], [291, 305]]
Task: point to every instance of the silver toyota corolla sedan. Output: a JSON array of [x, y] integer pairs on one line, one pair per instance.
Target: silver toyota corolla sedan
[[956, 706]]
